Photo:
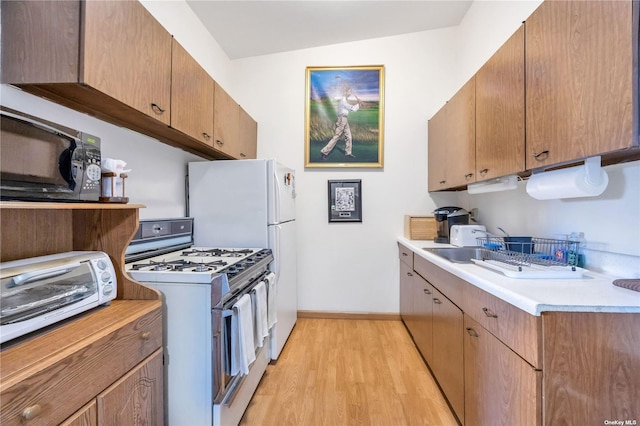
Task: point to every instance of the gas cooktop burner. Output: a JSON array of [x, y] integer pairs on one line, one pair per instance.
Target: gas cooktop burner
[[179, 265], [215, 252]]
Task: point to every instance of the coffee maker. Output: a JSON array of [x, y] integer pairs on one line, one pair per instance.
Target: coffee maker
[[446, 217]]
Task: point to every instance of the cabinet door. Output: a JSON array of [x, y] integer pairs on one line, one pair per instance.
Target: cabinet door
[[137, 398], [437, 151], [581, 80], [423, 317], [500, 387], [500, 111], [452, 151], [191, 96], [406, 294], [127, 55], [226, 116], [448, 351], [248, 139]]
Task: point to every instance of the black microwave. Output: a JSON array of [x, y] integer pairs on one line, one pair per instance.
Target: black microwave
[[44, 161]]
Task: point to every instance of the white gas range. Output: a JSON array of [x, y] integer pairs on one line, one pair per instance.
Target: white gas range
[[201, 287]]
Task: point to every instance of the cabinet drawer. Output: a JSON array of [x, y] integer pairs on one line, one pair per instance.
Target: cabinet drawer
[[406, 255], [447, 283], [54, 390], [514, 327]]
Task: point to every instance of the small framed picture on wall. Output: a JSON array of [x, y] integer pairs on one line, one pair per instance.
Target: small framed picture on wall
[[345, 201]]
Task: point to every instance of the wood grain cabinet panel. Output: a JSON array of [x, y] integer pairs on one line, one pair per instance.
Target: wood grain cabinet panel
[[448, 351], [591, 368], [226, 125], [248, 139], [191, 96], [423, 317], [500, 105], [452, 141], [406, 294], [135, 399], [126, 54], [581, 80], [500, 387]]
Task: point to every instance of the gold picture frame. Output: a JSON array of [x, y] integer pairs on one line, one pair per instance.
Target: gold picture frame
[[344, 116]]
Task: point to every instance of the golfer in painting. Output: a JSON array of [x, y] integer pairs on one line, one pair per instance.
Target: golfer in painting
[[342, 125]]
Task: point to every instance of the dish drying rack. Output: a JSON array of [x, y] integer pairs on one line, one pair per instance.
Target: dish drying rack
[[530, 257]]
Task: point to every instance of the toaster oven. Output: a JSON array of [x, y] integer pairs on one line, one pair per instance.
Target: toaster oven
[[41, 291]]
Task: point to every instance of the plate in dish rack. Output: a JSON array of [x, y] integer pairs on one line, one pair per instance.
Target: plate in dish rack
[[531, 271]]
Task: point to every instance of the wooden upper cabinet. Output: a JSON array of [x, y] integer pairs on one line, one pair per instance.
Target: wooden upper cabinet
[[226, 115], [127, 55], [248, 139], [452, 141], [191, 96], [500, 104], [581, 80], [437, 151]]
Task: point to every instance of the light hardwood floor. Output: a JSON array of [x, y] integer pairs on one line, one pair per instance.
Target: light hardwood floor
[[348, 372]]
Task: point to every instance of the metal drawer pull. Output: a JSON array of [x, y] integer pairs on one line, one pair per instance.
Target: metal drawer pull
[[472, 332], [243, 155], [488, 313], [206, 135], [468, 176], [156, 108], [146, 335], [31, 412], [219, 142], [405, 254], [426, 291], [442, 182], [484, 171], [436, 300], [409, 274]]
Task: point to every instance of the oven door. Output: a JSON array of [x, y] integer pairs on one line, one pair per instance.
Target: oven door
[[227, 383]]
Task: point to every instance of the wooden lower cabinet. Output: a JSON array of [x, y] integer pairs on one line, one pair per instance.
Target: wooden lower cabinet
[[447, 361], [86, 416], [423, 311], [135, 399], [406, 296], [500, 387]]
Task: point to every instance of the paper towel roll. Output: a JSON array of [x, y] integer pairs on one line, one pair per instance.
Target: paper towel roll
[[588, 180]]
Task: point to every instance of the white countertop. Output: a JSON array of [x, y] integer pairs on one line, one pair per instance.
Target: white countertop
[[592, 293]]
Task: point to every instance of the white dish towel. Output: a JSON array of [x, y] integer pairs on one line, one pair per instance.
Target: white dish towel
[[259, 299], [242, 346], [272, 304]]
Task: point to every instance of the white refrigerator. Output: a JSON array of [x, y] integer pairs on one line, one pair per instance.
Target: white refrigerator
[[247, 204]]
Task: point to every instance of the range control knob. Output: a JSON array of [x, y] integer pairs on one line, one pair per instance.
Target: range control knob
[[107, 289], [105, 277]]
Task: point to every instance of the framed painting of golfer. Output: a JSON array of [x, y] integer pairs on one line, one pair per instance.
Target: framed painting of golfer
[[344, 116]]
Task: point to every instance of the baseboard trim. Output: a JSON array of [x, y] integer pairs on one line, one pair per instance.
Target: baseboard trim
[[348, 315]]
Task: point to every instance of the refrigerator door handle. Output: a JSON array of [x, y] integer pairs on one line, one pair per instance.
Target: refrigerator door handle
[[277, 250], [277, 200]]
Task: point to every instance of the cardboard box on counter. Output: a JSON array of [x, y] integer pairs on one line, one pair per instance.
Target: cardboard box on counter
[[420, 227]]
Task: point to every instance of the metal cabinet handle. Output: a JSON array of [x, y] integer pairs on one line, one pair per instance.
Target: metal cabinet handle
[[206, 135], [146, 335], [442, 182], [468, 176], [484, 171], [405, 254], [544, 154], [472, 332], [31, 412], [243, 155], [489, 313], [409, 274], [426, 291], [437, 301], [156, 108], [219, 142]]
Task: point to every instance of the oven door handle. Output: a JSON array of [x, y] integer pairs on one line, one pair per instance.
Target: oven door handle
[[232, 390]]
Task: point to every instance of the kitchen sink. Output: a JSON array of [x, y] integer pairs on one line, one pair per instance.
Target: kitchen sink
[[456, 254]]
